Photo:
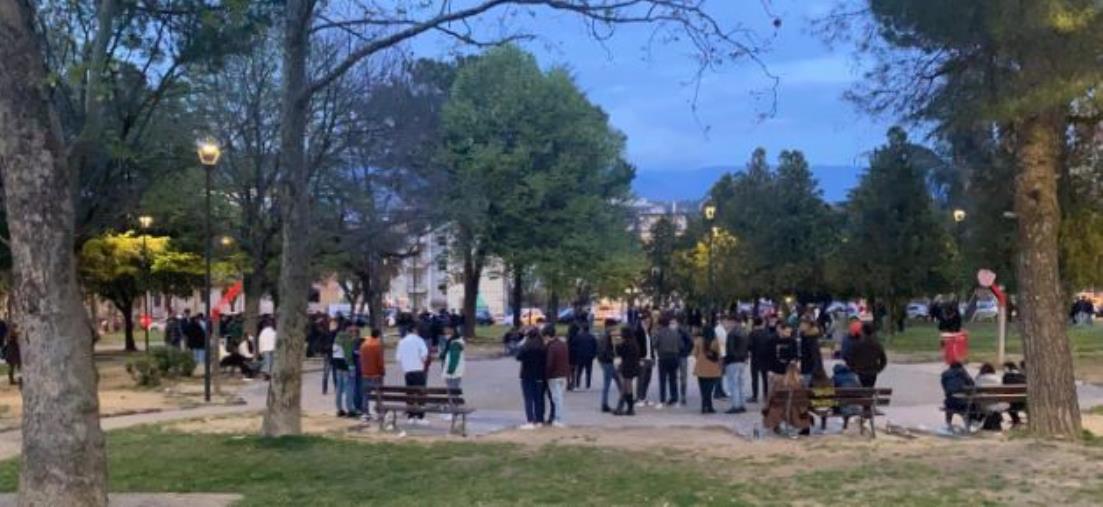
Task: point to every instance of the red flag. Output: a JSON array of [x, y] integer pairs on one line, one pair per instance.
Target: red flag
[[227, 299]]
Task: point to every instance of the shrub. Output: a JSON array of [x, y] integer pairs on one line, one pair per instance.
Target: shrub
[[144, 371], [173, 362]]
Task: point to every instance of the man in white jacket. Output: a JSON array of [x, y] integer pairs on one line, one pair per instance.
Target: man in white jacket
[[411, 354], [266, 345]]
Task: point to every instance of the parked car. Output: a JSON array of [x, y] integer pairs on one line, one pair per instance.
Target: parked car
[[918, 310], [987, 309], [483, 317]]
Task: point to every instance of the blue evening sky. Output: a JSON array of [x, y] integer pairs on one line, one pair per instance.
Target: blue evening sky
[[648, 91]]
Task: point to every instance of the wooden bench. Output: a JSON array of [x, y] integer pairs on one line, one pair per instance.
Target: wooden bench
[[438, 400], [974, 396], [825, 402]]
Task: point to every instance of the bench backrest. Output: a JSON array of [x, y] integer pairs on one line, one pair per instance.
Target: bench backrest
[[826, 397], [1007, 389], [420, 395]]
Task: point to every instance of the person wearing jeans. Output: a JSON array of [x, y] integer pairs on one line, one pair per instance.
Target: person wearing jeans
[[372, 369], [605, 356], [683, 362], [735, 362], [342, 391], [668, 347], [647, 360], [557, 369], [706, 355], [533, 360]]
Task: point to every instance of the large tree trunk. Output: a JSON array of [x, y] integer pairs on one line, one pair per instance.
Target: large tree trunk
[[127, 310], [284, 405], [63, 462], [254, 291], [1051, 387], [472, 273]]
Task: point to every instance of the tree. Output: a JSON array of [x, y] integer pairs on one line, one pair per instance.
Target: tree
[[1015, 69], [122, 267], [894, 245], [64, 462], [379, 30], [660, 256]]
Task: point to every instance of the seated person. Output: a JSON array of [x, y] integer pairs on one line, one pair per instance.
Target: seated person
[[955, 380], [1014, 375], [993, 412], [844, 377], [243, 358], [779, 408]]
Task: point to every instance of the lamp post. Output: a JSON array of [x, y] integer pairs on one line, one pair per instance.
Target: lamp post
[[710, 216], [208, 152], [145, 221]]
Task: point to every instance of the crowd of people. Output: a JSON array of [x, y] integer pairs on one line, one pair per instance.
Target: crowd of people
[[783, 353], [956, 380]]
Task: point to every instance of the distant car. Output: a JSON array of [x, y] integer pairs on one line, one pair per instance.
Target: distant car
[[483, 317], [918, 311], [987, 309]]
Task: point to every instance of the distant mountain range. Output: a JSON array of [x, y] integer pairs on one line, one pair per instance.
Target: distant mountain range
[[692, 184]]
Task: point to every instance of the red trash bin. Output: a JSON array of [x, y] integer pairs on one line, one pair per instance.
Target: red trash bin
[[955, 346]]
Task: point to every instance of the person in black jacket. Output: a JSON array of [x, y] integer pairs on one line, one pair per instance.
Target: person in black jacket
[[866, 356], [606, 354], [196, 338], [629, 352], [644, 333], [783, 349], [533, 360], [585, 350], [735, 361], [760, 358], [810, 356], [1014, 375]]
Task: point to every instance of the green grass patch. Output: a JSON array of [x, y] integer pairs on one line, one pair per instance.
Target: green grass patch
[[922, 340]]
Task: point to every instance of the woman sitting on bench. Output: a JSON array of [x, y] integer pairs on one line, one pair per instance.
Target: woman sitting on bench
[[992, 411], [782, 407]]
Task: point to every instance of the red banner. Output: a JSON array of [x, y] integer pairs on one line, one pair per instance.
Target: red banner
[[228, 298]]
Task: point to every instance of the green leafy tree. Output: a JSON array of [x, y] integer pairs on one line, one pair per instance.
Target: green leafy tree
[[895, 244], [1015, 69], [659, 250]]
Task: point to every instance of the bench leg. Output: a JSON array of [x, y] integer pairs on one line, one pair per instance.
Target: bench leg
[[452, 426], [846, 422], [463, 425]]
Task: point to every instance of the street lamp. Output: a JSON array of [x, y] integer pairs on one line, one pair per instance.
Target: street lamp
[[208, 152], [146, 221], [959, 215], [710, 215]]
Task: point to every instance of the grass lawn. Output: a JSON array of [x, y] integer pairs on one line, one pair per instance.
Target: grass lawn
[[921, 339], [322, 470]]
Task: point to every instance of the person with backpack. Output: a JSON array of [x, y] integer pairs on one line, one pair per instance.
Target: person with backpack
[[452, 363], [735, 362]]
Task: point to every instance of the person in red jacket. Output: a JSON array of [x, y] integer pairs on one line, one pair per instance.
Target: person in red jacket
[[372, 369], [558, 368]]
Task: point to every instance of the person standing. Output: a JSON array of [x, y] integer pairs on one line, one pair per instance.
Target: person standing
[[706, 354], [196, 338], [453, 363], [266, 346], [606, 356], [811, 358], [735, 362], [587, 351], [629, 352], [372, 370], [644, 342], [533, 360], [342, 388], [12, 355], [720, 331], [683, 360], [783, 349], [558, 371], [668, 347], [759, 341], [412, 356], [866, 356]]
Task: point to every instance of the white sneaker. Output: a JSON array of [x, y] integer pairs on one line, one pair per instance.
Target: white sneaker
[[446, 417], [527, 426], [658, 406], [558, 424], [421, 422]]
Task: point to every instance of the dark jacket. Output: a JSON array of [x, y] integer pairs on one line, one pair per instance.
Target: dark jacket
[[687, 343], [558, 365], [605, 351], [533, 361], [668, 344], [194, 334], [629, 352], [955, 380], [736, 347], [866, 356], [782, 352], [810, 355], [587, 347], [642, 342], [760, 346]]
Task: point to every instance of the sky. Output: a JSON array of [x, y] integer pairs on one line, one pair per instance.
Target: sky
[[648, 90]]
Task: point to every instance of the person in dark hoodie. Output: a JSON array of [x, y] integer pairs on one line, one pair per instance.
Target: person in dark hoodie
[[955, 380], [668, 348], [759, 341], [783, 349], [866, 356], [587, 351], [810, 356], [735, 362], [629, 352], [533, 360]]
